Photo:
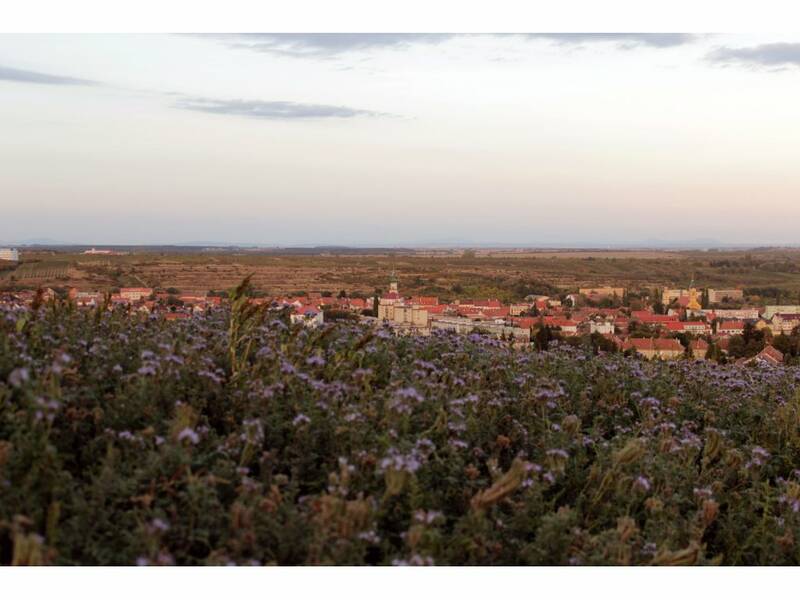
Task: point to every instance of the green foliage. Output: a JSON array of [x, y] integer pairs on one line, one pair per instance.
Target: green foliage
[[245, 317], [234, 437]]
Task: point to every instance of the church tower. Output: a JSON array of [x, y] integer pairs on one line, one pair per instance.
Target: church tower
[[393, 283], [693, 304]]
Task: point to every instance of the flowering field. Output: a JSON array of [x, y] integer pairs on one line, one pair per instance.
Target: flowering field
[[237, 439]]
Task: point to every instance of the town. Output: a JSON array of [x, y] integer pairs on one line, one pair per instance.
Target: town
[[692, 322]]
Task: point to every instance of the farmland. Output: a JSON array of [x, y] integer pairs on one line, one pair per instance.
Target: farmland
[[236, 438], [504, 274], [44, 271]]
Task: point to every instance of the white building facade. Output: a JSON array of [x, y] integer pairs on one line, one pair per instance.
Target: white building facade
[[10, 254]]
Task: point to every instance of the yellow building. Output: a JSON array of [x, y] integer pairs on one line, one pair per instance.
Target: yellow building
[[693, 304]]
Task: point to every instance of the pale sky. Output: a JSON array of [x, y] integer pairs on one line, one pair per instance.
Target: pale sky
[[297, 139]]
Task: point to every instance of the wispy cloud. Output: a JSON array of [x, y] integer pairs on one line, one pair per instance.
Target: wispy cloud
[[775, 56], [327, 44], [279, 110], [23, 76], [623, 40]]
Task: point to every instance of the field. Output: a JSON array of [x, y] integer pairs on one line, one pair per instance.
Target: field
[[237, 439], [504, 274], [44, 270]]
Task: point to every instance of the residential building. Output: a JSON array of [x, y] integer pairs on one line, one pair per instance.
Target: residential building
[[135, 294], [693, 327], [785, 323], [566, 327], [667, 296], [730, 328], [601, 326], [769, 355], [741, 314], [404, 314], [462, 325], [715, 296], [698, 348], [788, 309], [648, 318], [309, 315], [685, 298], [516, 310], [662, 348], [419, 301], [9, 254]]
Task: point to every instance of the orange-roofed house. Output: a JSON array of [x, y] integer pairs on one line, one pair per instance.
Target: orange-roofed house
[[439, 309], [525, 322], [769, 355], [566, 326], [134, 294], [698, 348], [309, 315], [418, 301], [648, 318], [356, 304]]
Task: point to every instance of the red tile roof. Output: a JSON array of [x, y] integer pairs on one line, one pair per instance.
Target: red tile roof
[[425, 300], [524, 322], [771, 354], [647, 317]]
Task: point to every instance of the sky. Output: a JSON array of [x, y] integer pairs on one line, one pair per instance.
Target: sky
[[399, 139]]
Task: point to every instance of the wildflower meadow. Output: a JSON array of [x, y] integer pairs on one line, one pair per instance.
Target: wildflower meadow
[[237, 438]]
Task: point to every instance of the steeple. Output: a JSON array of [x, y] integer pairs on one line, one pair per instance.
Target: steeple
[[693, 304], [393, 282]]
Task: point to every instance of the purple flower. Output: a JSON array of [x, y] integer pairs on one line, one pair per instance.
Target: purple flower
[[159, 525], [18, 377], [315, 361], [300, 419], [642, 483], [427, 517], [409, 393], [189, 434]]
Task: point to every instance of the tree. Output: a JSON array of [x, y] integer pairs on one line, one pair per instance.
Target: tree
[[375, 302], [544, 336], [600, 343], [783, 343], [335, 314], [737, 346]]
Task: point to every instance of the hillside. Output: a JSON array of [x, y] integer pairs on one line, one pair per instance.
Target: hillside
[[239, 439]]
